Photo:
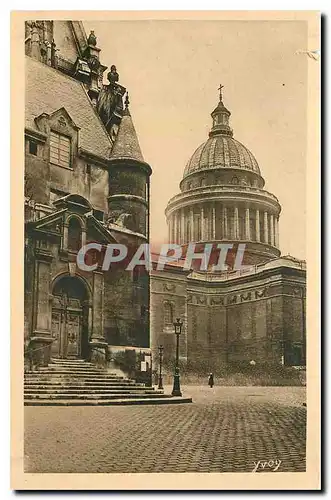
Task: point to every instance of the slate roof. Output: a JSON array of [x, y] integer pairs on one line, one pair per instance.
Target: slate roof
[[126, 145], [48, 90]]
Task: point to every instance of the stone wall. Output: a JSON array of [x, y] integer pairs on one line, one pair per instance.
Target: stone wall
[[168, 302], [260, 317]]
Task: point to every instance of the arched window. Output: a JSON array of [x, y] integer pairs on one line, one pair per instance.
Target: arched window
[[234, 180], [168, 313], [203, 182], [74, 235]]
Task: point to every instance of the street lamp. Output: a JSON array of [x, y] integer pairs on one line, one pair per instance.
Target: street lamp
[[160, 386], [178, 324]]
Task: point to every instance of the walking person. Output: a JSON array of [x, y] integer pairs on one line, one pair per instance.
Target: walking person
[[211, 380]]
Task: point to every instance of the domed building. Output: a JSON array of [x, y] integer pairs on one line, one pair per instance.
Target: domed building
[[233, 316], [223, 198]]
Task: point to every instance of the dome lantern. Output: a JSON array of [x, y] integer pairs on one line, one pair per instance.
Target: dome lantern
[[221, 117]]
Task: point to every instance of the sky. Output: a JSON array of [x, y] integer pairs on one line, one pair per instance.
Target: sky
[[172, 70]]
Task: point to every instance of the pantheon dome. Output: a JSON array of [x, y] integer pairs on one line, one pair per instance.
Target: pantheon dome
[[222, 197], [221, 152]]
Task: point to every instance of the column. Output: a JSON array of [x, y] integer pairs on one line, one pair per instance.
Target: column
[[169, 230], [247, 225], [257, 226], [192, 224], [97, 321], [97, 340], [276, 232], [179, 227], [175, 228], [89, 306], [41, 298], [182, 226], [272, 234], [83, 237], [213, 210], [65, 236], [266, 235], [208, 224], [172, 234], [225, 223], [236, 223], [202, 224], [41, 335]]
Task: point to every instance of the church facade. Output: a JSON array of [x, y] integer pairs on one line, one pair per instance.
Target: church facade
[[85, 182], [230, 316]]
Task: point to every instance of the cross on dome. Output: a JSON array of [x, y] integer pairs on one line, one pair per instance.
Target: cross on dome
[[220, 89]]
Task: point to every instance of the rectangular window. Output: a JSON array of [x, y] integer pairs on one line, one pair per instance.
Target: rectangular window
[[33, 148], [60, 150]]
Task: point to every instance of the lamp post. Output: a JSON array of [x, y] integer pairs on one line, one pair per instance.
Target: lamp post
[[160, 386], [178, 324]]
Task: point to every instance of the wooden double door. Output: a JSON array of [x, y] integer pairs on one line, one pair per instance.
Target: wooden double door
[[69, 322]]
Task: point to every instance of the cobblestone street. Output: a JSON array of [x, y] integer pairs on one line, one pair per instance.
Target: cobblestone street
[[225, 429]]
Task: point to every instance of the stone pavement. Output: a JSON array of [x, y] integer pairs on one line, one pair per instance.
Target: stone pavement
[[225, 429]]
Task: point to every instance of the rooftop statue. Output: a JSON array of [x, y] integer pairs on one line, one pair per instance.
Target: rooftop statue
[[113, 76], [110, 100]]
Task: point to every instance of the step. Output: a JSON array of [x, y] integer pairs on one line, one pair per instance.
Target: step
[[79, 382], [83, 364], [71, 361], [71, 376], [102, 385], [55, 369], [109, 402], [65, 369], [118, 395], [87, 390], [52, 376], [78, 366]]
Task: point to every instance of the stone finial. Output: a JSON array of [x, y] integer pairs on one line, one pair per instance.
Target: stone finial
[[126, 111], [35, 42], [53, 54], [92, 39]]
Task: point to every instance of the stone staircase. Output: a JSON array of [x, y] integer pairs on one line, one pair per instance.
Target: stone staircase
[[75, 382]]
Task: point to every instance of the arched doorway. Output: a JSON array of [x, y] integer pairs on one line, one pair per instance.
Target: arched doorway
[[70, 318]]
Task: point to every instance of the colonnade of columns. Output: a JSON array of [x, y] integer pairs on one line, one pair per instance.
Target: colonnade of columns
[[217, 222]]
